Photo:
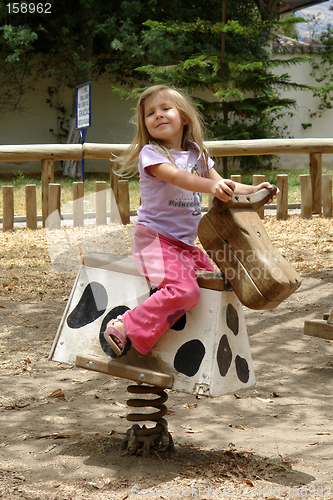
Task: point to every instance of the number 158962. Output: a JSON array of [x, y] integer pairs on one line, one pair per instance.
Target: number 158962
[[29, 8]]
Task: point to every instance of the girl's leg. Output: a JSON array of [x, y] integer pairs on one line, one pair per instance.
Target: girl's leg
[[148, 258], [170, 268], [173, 274]]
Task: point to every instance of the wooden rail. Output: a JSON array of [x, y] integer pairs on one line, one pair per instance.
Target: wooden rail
[[48, 153], [38, 152]]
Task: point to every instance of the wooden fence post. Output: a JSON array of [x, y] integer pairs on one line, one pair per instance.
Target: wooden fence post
[[47, 177], [316, 181], [31, 206], [8, 207], [78, 209], [282, 198], [100, 202], [327, 195], [306, 196], [54, 218], [114, 211], [124, 201], [258, 179], [114, 182]]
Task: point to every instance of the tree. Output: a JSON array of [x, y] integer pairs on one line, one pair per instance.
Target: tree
[[269, 9], [231, 60], [288, 25], [141, 42], [71, 42]]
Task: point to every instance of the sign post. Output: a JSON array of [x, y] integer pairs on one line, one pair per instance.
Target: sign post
[[83, 114]]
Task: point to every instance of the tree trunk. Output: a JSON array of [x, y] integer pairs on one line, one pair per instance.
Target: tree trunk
[[269, 9]]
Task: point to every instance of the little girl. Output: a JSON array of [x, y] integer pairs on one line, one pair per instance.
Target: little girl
[[174, 169]]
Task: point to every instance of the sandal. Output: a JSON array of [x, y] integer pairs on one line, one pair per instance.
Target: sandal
[[112, 332]]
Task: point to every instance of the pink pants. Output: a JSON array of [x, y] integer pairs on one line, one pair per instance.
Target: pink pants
[[169, 266]]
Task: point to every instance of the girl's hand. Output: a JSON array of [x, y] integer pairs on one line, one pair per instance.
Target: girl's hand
[[223, 189], [266, 185]]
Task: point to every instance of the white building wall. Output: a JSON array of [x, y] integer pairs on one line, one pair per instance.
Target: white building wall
[[111, 121], [306, 104]]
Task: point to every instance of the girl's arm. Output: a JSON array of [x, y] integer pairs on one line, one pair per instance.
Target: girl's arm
[[213, 183], [221, 188], [240, 188]]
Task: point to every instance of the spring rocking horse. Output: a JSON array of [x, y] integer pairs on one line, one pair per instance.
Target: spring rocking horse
[[207, 351]]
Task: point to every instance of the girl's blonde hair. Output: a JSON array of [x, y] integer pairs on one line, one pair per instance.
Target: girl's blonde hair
[[192, 133]]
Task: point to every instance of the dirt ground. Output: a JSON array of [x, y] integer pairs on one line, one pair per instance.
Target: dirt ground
[[61, 427]]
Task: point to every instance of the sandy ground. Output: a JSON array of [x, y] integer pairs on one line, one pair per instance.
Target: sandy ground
[[61, 427]]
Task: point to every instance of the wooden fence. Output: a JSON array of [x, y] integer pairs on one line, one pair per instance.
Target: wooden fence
[[316, 189], [120, 206]]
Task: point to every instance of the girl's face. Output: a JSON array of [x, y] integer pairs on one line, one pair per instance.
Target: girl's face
[[163, 121]]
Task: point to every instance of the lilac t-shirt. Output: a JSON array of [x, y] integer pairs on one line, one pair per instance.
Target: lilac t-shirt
[[170, 210]]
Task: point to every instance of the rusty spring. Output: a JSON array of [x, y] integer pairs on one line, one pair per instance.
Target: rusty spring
[[146, 403], [146, 437]]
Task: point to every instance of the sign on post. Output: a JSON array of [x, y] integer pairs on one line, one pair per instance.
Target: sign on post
[[83, 105], [83, 114]]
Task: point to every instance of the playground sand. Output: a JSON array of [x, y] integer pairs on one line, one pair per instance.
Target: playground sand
[[61, 427]]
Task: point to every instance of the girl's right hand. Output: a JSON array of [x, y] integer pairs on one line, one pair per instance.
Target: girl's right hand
[[223, 189]]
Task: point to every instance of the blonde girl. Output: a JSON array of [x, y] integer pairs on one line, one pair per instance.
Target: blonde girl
[[174, 169]]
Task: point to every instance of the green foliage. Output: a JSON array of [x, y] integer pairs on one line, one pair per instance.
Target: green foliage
[[243, 100], [288, 24], [323, 73], [17, 41], [137, 43], [72, 44], [306, 125]]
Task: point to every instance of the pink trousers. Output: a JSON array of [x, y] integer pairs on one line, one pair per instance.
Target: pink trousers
[[169, 266]]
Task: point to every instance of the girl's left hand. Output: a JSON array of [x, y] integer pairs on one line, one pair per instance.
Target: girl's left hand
[[223, 189]]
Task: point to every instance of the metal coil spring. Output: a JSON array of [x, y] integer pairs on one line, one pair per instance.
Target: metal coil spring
[[147, 403], [142, 437]]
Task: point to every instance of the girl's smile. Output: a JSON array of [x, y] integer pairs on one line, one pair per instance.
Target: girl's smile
[[163, 121]]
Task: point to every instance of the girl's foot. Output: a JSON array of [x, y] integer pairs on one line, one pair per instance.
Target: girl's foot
[[115, 335]]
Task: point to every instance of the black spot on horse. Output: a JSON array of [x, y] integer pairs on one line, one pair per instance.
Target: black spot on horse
[[189, 357], [224, 356], [116, 311], [242, 369], [91, 306], [177, 325], [232, 319]]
